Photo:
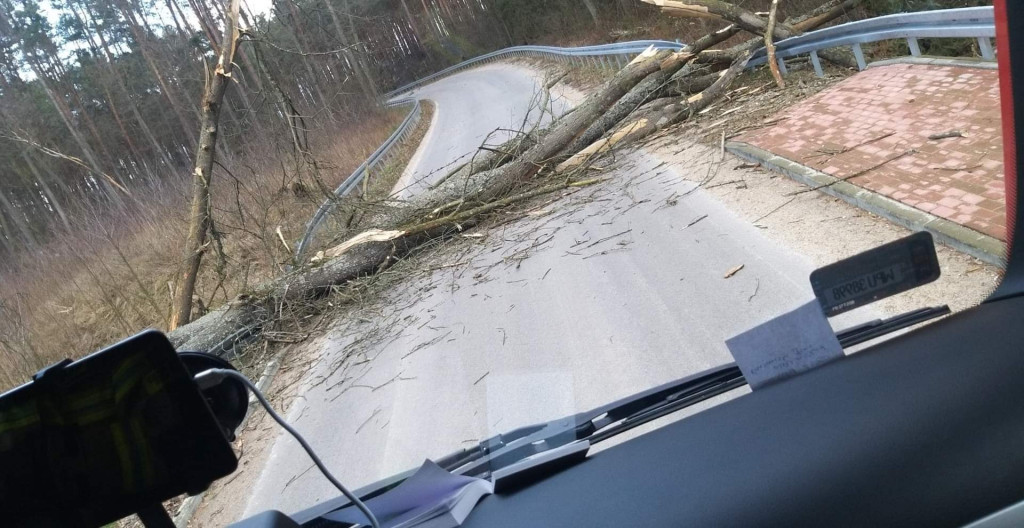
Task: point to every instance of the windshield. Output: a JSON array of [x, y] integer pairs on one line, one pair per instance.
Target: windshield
[[423, 225]]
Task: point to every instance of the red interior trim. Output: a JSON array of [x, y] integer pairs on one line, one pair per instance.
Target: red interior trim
[[1009, 130]]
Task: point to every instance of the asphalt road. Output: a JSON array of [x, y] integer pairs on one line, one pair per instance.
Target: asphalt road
[[481, 106], [611, 291]]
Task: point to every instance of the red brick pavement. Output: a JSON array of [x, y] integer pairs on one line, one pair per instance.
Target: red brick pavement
[[883, 112]]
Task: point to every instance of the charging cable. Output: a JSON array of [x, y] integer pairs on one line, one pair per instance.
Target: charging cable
[[212, 377]]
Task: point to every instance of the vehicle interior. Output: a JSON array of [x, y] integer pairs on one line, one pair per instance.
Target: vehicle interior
[[922, 429]]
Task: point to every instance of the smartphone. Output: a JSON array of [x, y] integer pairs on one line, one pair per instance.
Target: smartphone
[[92, 441]]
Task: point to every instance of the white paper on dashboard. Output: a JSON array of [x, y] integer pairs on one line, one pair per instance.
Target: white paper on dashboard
[[431, 497], [785, 346]]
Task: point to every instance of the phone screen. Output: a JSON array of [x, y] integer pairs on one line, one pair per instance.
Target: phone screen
[[98, 439]]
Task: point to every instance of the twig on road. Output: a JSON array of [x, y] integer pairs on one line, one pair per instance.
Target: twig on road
[[375, 413], [695, 221]]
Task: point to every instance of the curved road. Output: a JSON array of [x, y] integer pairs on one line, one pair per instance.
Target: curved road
[[619, 293], [480, 106]]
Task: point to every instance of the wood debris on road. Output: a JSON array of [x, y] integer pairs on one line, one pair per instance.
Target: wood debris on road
[[734, 270]]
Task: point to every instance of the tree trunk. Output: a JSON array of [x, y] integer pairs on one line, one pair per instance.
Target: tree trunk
[[362, 75], [296, 125], [298, 37], [645, 125], [134, 108], [172, 100], [202, 175], [65, 114], [593, 12], [19, 220], [47, 190], [647, 89], [361, 53]]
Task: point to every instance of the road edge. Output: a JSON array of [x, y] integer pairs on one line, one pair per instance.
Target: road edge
[[417, 155], [978, 245]]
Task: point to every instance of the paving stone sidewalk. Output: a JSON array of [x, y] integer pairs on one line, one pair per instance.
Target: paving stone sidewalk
[[874, 129]]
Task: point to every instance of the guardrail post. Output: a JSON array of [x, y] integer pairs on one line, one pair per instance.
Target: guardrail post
[[985, 45], [859, 55], [915, 48], [782, 65], [816, 62]]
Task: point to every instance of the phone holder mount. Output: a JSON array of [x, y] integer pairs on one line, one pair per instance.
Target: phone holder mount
[[117, 432]]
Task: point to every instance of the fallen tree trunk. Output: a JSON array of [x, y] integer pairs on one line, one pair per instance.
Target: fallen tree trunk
[[665, 116], [648, 89], [752, 23], [486, 185], [692, 84], [246, 314], [468, 193], [822, 15]]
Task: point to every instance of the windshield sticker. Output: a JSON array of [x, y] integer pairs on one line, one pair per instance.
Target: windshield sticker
[[785, 346]]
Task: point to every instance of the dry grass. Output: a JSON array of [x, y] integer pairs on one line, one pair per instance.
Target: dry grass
[[113, 276]]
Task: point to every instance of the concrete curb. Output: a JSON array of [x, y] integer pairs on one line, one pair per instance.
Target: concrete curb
[[980, 64], [978, 245], [190, 505]]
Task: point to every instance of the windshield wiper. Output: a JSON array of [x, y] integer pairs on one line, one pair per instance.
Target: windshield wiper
[[566, 441], [593, 426], [879, 327], [618, 417]]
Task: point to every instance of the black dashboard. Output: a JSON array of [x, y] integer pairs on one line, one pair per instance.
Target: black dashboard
[[923, 430]]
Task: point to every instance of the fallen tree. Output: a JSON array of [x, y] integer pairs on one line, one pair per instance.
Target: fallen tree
[[622, 110]]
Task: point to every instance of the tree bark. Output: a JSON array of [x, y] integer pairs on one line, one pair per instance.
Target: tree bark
[[691, 84], [822, 15], [29, 239], [202, 175]]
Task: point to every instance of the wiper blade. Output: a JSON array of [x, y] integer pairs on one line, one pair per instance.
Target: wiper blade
[[723, 380], [502, 450], [572, 436], [617, 417], [879, 327]]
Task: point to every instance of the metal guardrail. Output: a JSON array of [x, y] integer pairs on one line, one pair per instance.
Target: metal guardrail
[[382, 154], [605, 55], [971, 22]]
